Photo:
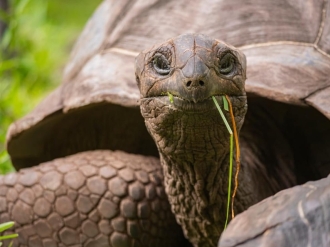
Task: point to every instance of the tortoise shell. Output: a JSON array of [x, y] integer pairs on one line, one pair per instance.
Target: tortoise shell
[[287, 45]]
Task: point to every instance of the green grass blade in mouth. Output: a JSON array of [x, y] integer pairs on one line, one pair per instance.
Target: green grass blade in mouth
[[229, 179], [225, 103], [170, 96], [238, 155], [222, 115], [230, 154]]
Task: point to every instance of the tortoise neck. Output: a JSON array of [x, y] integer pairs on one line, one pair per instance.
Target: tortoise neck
[[197, 196], [194, 150], [197, 192], [195, 164]]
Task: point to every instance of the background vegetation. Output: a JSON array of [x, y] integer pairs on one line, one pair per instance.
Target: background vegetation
[[33, 51]]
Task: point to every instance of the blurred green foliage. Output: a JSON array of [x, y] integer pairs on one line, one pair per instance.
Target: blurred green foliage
[[33, 52]]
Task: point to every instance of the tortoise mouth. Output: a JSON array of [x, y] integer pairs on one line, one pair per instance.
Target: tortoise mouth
[[179, 103]]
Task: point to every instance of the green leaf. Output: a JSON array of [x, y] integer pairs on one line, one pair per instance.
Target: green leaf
[[222, 115], [229, 178], [7, 225], [15, 235], [4, 227], [225, 103], [170, 96], [230, 154]]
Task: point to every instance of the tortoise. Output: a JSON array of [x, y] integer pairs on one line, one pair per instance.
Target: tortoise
[[100, 183]]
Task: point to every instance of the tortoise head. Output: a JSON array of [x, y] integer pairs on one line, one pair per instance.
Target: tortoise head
[[192, 68], [180, 76]]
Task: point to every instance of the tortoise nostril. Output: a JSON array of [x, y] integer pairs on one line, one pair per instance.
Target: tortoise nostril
[[195, 84]]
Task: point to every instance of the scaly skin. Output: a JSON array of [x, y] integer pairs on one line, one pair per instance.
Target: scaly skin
[[196, 181], [96, 198]]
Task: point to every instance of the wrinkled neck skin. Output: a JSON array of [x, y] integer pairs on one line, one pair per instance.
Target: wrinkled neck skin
[[194, 150]]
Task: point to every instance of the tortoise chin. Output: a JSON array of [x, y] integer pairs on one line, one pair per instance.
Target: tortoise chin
[[176, 124]]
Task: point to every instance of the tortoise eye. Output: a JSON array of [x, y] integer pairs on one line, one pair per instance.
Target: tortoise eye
[[161, 64], [227, 64]]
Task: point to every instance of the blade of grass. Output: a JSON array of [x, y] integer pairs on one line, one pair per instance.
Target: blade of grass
[[225, 103], [7, 225], [4, 227], [15, 235], [170, 96], [222, 115], [229, 178], [238, 155], [230, 157]]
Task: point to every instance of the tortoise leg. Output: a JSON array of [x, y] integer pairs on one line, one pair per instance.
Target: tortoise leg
[[298, 216], [95, 198]]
